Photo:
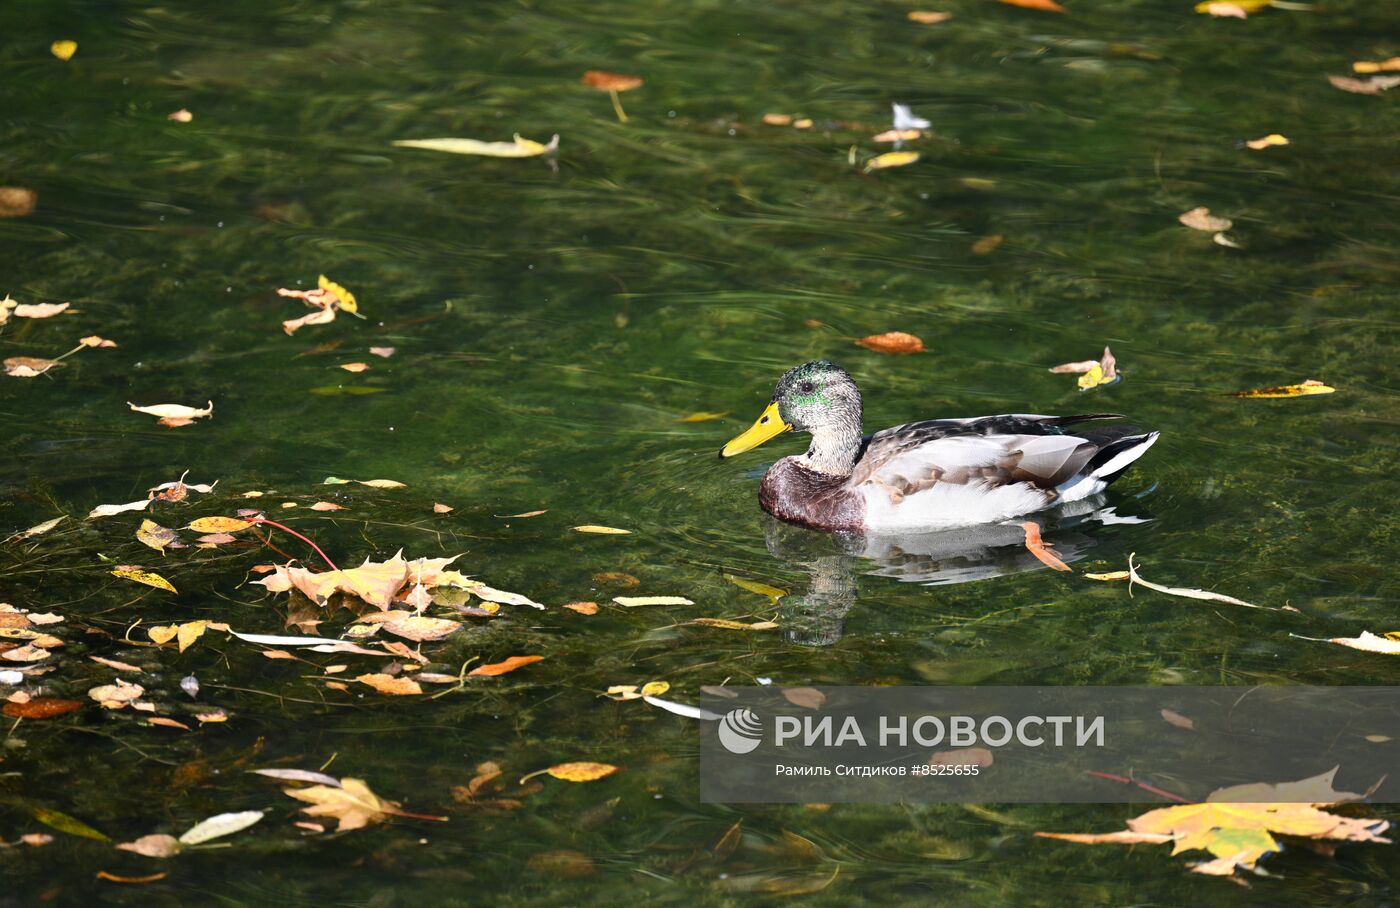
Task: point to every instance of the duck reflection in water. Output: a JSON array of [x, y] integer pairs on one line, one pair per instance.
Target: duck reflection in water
[[816, 616]]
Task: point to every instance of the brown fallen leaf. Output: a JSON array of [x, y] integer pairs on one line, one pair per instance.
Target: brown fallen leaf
[[153, 846], [117, 694], [387, 684], [1172, 717], [174, 422], [1202, 219], [167, 723], [777, 119], [1372, 86], [354, 367], [731, 625], [927, 17], [612, 83], [564, 863], [134, 880], [42, 708], [618, 578], [439, 508], [119, 666], [328, 506], [806, 697], [17, 202], [353, 805], [38, 529], [1049, 6], [988, 244], [420, 628], [29, 366], [583, 608], [39, 310], [966, 756], [92, 340], [504, 666], [892, 342]]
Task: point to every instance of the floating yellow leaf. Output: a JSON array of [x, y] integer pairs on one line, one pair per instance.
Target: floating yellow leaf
[[1224, 10], [607, 531], [156, 536], [777, 119], [891, 159], [753, 586], [1311, 386], [1366, 67], [655, 688], [218, 525], [147, 577], [64, 49], [634, 601], [926, 17], [1272, 138], [519, 148], [163, 633], [189, 632], [344, 299], [704, 416], [583, 608], [1249, 6], [580, 772], [1111, 575]]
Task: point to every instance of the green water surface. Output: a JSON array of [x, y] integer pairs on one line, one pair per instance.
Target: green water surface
[[554, 322]]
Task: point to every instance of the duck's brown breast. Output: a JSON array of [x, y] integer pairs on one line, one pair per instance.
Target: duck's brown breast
[[792, 492]]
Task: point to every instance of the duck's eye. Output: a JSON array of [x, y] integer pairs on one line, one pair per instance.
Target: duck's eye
[[808, 387]]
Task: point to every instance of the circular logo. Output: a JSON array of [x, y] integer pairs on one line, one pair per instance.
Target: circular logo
[[740, 731]]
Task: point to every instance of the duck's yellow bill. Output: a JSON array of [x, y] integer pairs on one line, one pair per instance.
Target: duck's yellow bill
[[769, 425]]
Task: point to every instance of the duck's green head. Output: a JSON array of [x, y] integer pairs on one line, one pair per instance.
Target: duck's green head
[[810, 397]]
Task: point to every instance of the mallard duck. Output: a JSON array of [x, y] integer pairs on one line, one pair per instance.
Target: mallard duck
[[924, 475]]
